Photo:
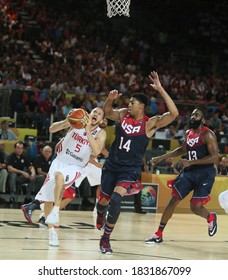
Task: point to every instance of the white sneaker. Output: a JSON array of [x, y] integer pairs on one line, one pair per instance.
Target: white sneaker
[[52, 219], [53, 238]]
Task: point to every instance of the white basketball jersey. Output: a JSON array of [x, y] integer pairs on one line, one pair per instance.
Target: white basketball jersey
[[75, 148]]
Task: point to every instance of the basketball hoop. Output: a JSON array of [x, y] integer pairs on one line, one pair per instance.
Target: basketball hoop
[[118, 7]]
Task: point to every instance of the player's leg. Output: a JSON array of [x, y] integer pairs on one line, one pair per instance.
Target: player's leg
[[113, 215], [68, 195], [64, 177], [105, 192], [204, 180], [166, 216], [44, 194], [53, 215], [28, 209], [181, 188]]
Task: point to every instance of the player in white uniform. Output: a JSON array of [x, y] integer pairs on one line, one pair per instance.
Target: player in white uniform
[[73, 154], [223, 200], [93, 174], [70, 165]]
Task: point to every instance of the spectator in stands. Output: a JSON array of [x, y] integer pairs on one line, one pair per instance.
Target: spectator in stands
[[2, 150], [170, 131], [42, 164], [45, 109], [67, 107], [31, 107], [79, 62], [3, 170], [98, 102], [225, 120], [216, 123], [21, 171], [43, 161], [5, 132], [59, 114], [222, 168], [76, 101]]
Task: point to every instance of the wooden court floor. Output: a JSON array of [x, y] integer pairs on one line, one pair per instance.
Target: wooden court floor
[[185, 238]]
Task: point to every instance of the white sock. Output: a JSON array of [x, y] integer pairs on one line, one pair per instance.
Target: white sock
[[42, 206], [55, 209]]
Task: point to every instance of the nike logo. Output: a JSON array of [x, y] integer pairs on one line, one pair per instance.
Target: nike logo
[[204, 184]]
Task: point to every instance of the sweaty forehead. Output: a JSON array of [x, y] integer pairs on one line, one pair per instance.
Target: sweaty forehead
[[133, 99], [197, 113], [98, 111]]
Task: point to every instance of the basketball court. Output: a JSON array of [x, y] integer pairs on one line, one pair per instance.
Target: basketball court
[[185, 238]]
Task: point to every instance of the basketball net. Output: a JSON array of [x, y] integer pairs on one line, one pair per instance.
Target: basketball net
[[118, 7]]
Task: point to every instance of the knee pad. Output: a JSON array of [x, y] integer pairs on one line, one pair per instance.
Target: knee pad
[[103, 196], [114, 209]]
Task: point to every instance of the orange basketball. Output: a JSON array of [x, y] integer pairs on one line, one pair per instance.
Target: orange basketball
[[76, 118]]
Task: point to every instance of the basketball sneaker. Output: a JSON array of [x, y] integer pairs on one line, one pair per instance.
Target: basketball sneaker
[[105, 246], [53, 219], [101, 218], [154, 239], [42, 221], [212, 226], [27, 211], [53, 238]]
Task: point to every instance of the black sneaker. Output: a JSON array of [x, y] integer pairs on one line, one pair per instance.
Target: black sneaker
[[105, 246], [154, 239], [41, 222], [27, 212], [101, 218], [139, 210], [212, 226]]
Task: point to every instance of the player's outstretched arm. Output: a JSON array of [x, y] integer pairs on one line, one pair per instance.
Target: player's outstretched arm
[[172, 113], [57, 126], [111, 113]]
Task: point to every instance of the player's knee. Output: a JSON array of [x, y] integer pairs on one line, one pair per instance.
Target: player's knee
[[195, 208], [114, 210], [59, 176], [101, 208], [103, 198]]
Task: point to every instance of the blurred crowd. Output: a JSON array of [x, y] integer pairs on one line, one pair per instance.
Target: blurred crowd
[[49, 50], [55, 57]]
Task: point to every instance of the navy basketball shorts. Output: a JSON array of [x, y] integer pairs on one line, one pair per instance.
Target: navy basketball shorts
[[110, 179], [197, 179]]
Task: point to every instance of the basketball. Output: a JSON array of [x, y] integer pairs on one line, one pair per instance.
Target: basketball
[[77, 118]]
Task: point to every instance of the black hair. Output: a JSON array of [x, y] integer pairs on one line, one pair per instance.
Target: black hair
[[203, 110], [18, 142], [141, 97]]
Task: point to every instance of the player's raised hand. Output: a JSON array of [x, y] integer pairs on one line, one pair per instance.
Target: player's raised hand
[[155, 80], [114, 94]]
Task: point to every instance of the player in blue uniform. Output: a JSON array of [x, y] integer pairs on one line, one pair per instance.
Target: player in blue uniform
[[198, 173], [123, 167]]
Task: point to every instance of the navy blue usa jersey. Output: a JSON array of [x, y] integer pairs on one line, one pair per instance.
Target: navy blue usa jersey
[[195, 146], [129, 145]]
